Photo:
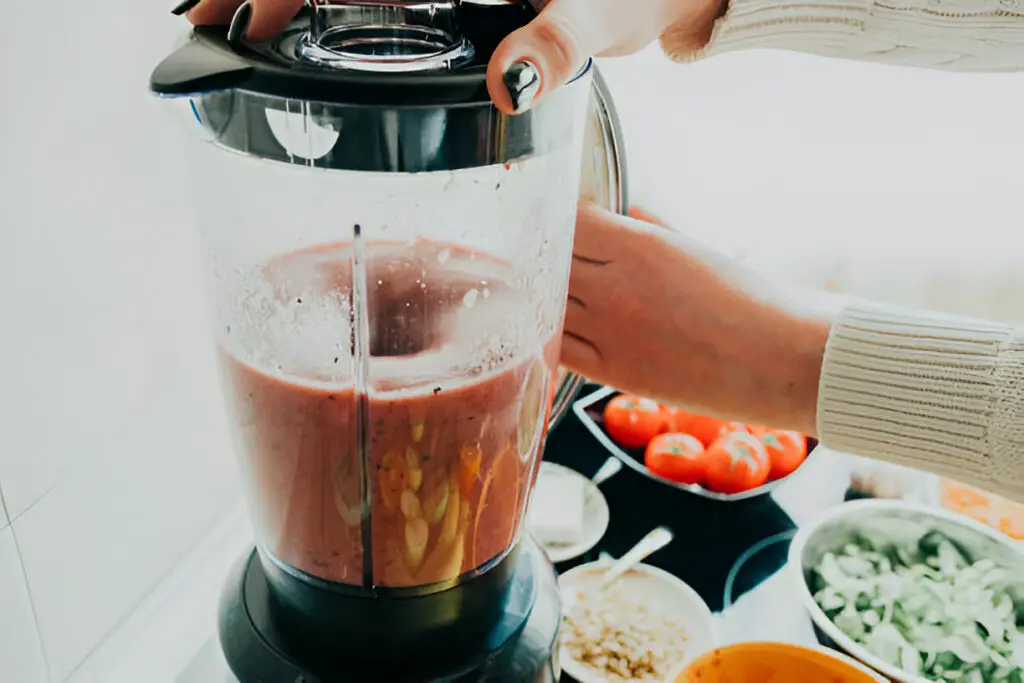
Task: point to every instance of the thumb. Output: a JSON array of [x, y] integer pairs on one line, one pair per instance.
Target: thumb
[[545, 53]]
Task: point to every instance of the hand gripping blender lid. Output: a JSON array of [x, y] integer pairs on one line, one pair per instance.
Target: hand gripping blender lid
[[388, 260]]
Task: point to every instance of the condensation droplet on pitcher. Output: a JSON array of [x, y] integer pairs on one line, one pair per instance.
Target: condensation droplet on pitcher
[[469, 300]]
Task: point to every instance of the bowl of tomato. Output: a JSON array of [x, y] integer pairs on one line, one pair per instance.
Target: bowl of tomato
[[702, 455]]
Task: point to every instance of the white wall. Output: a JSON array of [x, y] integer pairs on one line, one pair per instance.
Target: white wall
[[893, 183], [113, 452]]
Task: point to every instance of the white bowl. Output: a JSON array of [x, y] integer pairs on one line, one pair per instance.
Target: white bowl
[[595, 516], [652, 586], [904, 522]]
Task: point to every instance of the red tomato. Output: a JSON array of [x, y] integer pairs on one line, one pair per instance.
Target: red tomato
[[736, 463], [739, 428], [710, 429], [677, 420], [706, 429], [676, 457], [786, 451], [632, 422]]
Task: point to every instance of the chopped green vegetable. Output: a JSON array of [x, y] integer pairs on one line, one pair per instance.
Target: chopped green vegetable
[[929, 609]]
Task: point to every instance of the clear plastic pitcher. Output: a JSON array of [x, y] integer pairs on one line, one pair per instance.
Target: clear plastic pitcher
[[388, 260]]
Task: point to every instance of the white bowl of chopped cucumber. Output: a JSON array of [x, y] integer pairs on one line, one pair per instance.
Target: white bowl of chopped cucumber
[[915, 592]]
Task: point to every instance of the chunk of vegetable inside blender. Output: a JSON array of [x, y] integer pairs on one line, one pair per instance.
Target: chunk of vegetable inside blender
[[556, 511]]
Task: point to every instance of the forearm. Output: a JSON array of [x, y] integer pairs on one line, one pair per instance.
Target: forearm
[[797, 371], [959, 35]]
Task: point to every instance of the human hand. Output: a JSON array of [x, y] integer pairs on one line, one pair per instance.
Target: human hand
[[548, 51], [653, 313], [255, 20]]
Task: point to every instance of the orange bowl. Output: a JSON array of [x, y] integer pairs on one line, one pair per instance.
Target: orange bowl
[[774, 663]]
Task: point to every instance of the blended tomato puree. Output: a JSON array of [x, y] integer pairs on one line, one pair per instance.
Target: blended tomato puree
[[456, 395]]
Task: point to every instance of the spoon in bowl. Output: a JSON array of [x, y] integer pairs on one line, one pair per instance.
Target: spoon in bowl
[[654, 541], [647, 546]]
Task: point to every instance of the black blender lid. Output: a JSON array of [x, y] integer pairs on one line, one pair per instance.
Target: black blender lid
[[354, 52]]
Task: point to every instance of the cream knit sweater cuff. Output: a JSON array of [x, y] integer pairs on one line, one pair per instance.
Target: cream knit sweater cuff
[[960, 35], [939, 393]]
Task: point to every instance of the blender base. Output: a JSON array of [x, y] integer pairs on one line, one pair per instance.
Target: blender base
[[522, 648]]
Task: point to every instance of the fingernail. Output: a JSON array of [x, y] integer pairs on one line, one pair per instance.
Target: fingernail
[[240, 23], [522, 80], [185, 7]]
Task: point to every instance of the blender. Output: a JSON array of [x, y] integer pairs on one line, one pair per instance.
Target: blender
[[387, 258]]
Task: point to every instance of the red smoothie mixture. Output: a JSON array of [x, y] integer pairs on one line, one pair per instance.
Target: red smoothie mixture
[[458, 391]]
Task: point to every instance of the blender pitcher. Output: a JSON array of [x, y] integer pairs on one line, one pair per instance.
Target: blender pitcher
[[388, 260]]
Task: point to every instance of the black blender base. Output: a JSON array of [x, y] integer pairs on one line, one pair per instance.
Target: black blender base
[[521, 648]]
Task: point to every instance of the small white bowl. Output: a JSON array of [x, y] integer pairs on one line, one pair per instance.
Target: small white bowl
[[651, 586], [595, 516], [903, 522]]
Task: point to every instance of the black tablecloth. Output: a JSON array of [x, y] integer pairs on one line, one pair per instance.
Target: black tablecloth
[[709, 535]]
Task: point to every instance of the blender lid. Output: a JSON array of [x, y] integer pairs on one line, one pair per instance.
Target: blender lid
[[354, 52]]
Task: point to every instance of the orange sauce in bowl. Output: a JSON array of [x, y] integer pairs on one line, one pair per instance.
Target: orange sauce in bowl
[[774, 663]]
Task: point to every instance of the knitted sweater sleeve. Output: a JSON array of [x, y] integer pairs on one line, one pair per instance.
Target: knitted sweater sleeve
[[957, 35], [935, 392]]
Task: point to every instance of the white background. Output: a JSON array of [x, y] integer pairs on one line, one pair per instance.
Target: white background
[[114, 458]]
